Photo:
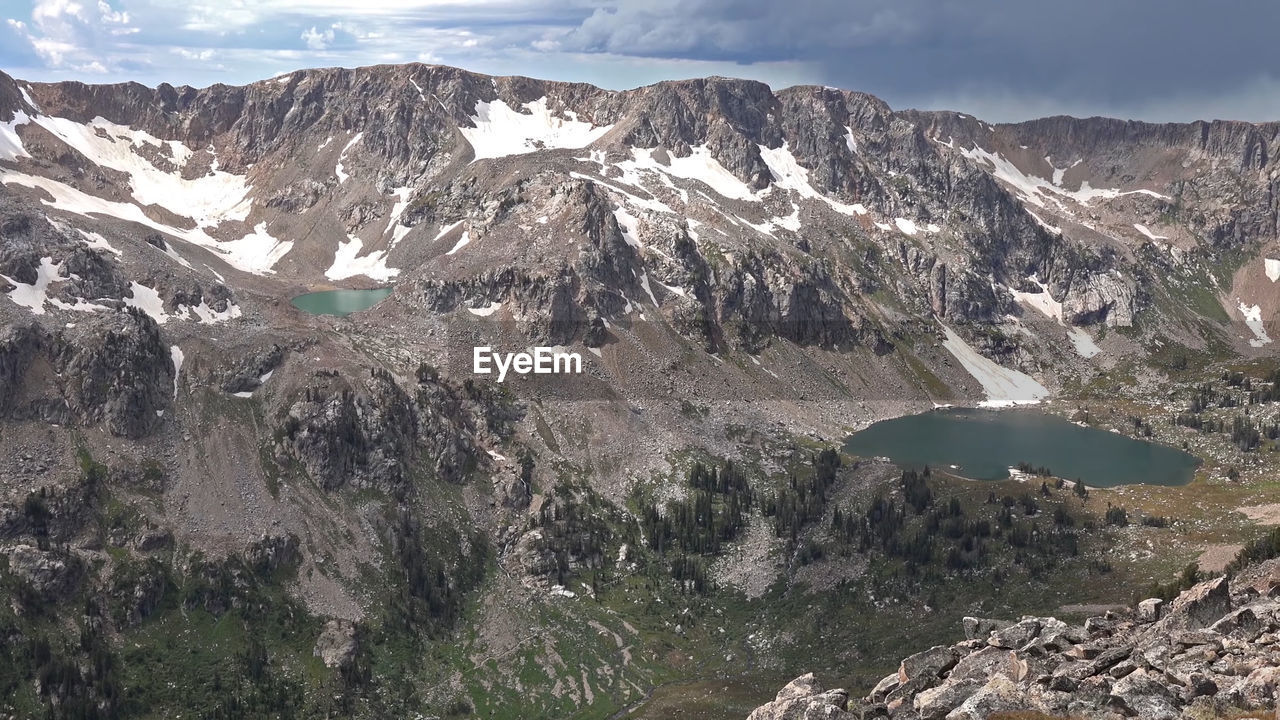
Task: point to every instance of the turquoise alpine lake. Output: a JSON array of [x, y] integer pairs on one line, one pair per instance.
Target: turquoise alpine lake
[[985, 444], [340, 302]]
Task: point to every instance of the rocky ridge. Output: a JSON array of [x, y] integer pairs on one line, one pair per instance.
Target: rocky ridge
[[1210, 652]]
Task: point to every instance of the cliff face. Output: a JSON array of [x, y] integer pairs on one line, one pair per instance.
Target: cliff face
[[1210, 652]]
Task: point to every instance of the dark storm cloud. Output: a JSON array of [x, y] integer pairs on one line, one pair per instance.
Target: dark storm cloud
[[1173, 57], [997, 59]]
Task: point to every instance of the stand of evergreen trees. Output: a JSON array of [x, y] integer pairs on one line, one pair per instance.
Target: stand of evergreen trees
[[925, 533], [688, 531], [804, 499]]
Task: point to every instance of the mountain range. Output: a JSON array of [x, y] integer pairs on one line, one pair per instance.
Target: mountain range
[[747, 274]]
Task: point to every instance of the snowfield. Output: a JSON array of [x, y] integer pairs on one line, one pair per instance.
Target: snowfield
[[699, 165], [255, 253], [1041, 301], [1004, 387], [34, 296], [486, 311], [789, 175], [1147, 231], [501, 130], [208, 200], [337, 169], [1253, 319], [463, 241], [175, 353], [10, 144], [1083, 343], [348, 263], [1036, 190]]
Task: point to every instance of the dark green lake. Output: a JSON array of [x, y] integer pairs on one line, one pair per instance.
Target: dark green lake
[[984, 444], [340, 302]]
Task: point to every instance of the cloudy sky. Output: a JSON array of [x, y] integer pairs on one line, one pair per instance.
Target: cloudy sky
[[998, 59]]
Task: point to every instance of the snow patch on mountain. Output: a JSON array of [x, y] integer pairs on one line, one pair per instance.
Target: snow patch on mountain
[[631, 198], [397, 209], [790, 222], [256, 252], [1041, 222], [148, 301], [338, 169], [486, 311], [1253, 320], [629, 225], [446, 230], [1036, 190], [698, 165], [206, 314], [97, 242], [1272, 269], [347, 262], [1041, 301], [501, 130], [421, 95], [34, 296], [789, 175], [177, 356], [1147, 231], [1004, 387], [462, 242], [209, 200], [11, 147], [644, 283], [1083, 342]]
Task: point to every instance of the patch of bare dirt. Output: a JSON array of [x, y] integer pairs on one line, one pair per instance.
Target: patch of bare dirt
[[1215, 558], [1262, 514]]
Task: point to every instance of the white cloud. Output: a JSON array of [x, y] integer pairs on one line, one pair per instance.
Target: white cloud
[[202, 55], [67, 34], [317, 40]]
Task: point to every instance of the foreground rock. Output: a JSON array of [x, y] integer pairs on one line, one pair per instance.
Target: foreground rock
[[1213, 651], [804, 699]]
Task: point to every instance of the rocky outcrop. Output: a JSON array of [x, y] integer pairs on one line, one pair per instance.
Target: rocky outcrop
[[338, 644], [1211, 652], [270, 553], [370, 433], [357, 435], [247, 375], [804, 699], [112, 368], [1100, 299], [46, 573], [116, 370]]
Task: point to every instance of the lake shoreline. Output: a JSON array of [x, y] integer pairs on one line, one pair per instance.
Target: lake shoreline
[[984, 444]]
